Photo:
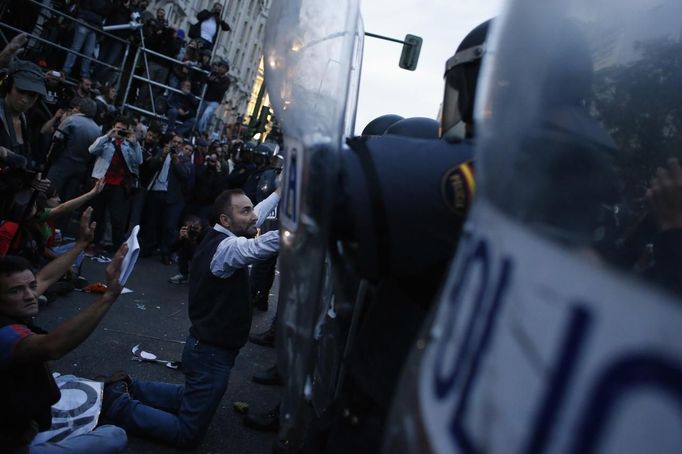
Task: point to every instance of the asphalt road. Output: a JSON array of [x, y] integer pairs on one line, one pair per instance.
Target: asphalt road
[[155, 316]]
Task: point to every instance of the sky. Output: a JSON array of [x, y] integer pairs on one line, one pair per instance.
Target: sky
[[386, 88]]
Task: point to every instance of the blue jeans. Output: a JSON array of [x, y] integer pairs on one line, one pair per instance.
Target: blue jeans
[[205, 115], [175, 414], [84, 40], [103, 440], [66, 176], [66, 247], [184, 128]]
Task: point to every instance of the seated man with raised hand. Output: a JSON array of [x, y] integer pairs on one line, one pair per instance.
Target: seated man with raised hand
[[27, 388]]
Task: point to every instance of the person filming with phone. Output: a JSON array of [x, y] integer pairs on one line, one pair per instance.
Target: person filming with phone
[[119, 156]]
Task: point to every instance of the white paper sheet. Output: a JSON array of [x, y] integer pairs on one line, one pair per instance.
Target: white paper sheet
[[131, 257]]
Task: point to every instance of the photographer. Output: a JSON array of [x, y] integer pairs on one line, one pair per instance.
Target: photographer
[[20, 89], [166, 198], [191, 234], [75, 134], [118, 159], [209, 182]]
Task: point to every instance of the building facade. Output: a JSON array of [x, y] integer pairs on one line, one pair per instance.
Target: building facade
[[242, 46]]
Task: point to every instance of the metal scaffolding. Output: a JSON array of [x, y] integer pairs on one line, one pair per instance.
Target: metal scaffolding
[[139, 60]]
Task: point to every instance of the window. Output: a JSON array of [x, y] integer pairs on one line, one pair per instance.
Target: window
[[243, 35]]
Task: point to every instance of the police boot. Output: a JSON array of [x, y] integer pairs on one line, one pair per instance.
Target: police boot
[[269, 376], [266, 339]]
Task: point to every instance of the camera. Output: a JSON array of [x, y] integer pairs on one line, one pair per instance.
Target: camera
[[122, 133], [192, 232]]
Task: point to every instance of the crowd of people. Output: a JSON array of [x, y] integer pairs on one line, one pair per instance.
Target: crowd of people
[[97, 60], [209, 207], [74, 184]]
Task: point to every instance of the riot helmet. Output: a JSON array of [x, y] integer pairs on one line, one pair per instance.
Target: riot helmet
[[266, 149], [247, 150], [277, 162], [461, 77], [379, 125], [417, 127]]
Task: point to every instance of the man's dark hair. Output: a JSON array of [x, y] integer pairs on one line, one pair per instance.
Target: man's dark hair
[[11, 264], [87, 107], [224, 201], [128, 121], [155, 127]]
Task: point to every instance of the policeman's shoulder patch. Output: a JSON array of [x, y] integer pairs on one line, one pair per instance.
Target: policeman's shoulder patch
[[458, 187]]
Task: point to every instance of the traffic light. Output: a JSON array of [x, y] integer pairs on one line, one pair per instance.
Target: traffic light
[[410, 54]]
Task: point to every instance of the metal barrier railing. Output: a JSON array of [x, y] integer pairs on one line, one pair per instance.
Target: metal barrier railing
[[141, 52], [99, 30], [149, 81]]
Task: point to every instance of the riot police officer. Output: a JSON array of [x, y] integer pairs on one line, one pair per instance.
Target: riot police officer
[[258, 186], [404, 255], [545, 338], [242, 154]]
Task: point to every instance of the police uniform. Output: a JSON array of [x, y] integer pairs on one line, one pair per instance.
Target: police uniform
[[404, 205]]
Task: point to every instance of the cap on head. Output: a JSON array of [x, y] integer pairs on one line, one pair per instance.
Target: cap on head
[[28, 76], [222, 62]]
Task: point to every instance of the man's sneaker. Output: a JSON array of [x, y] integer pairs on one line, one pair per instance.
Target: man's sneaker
[[80, 283], [269, 376], [178, 279], [266, 422], [93, 250], [114, 387]]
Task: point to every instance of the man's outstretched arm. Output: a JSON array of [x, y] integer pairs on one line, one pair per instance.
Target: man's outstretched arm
[[71, 333]]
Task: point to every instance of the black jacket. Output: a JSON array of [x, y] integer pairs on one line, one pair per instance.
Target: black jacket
[[216, 87], [94, 11]]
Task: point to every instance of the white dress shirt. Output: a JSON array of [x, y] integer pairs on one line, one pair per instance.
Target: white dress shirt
[[236, 252]]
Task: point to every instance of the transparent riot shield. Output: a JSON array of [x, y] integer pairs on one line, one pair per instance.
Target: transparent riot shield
[[309, 49], [340, 290], [559, 327]]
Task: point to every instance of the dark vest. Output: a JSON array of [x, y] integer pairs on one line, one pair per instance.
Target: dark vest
[[27, 393], [219, 309]]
